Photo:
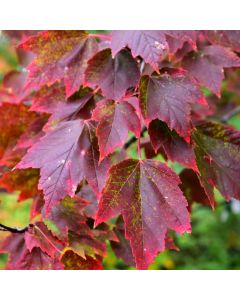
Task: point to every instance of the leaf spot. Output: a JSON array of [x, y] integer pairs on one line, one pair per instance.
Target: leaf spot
[[159, 45]]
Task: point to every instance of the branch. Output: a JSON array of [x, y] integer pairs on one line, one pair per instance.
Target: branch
[[14, 229], [134, 139], [230, 114]]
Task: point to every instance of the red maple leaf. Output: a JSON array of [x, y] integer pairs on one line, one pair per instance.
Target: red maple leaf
[[59, 54], [146, 193]]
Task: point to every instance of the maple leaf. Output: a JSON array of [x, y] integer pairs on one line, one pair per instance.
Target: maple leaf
[[38, 260], [177, 38], [32, 133], [104, 232], [72, 261], [22, 259], [24, 181], [12, 90], [113, 76], [192, 188], [122, 248], [38, 236], [37, 206], [149, 152], [47, 99], [169, 243], [183, 35], [151, 45], [15, 245], [53, 100], [59, 54], [218, 154], [87, 195], [91, 242], [214, 59], [176, 148], [17, 118], [168, 98], [65, 156], [146, 193], [17, 35], [181, 53], [86, 244], [110, 114], [68, 215], [226, 38]]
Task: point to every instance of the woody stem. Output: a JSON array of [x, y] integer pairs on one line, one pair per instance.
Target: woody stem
[[13, 229]]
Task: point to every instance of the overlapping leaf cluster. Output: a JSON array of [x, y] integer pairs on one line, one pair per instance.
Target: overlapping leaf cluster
[[71, 112]]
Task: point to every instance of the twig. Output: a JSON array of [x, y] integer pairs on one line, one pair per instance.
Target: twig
[[134, 139], [14, 229], [230, 114], [142, 65]]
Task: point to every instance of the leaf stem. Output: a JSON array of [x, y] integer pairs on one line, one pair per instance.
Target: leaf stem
[[139, 149], [133, 139], [54, 247], [96, 90]]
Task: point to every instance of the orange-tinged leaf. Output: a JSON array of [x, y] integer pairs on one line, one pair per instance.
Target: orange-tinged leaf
[[72, 261], [59, 54], [25, 181]]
